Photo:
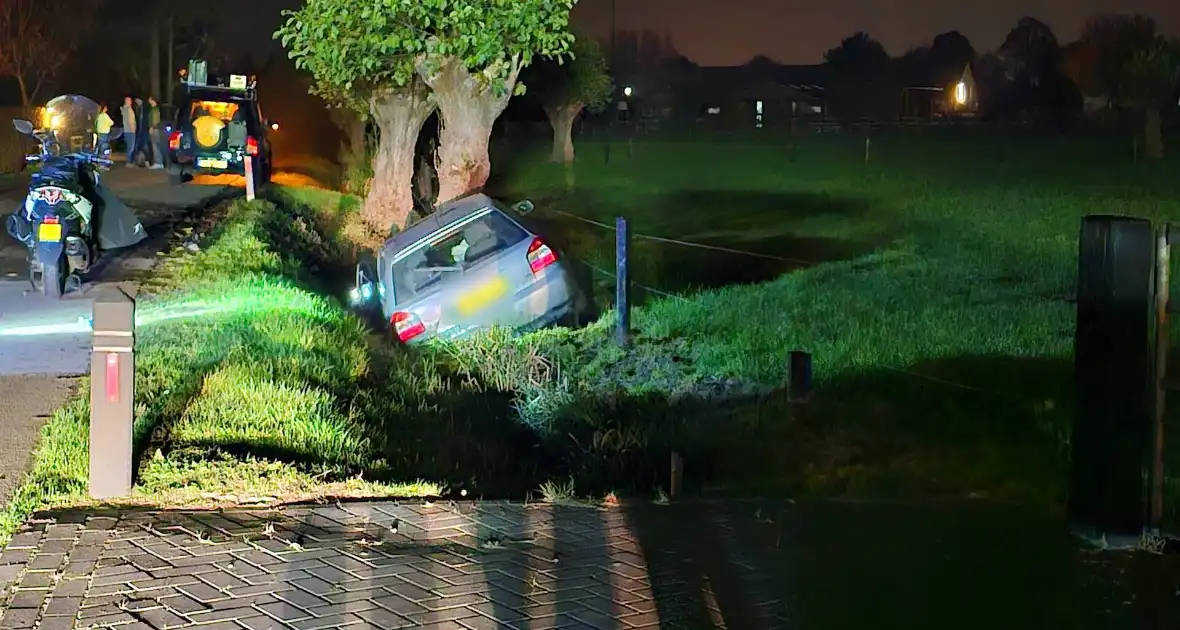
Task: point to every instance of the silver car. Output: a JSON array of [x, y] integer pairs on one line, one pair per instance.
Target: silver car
[[470, 265]]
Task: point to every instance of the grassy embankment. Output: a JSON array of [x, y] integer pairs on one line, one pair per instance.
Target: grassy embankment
[[940, 263]]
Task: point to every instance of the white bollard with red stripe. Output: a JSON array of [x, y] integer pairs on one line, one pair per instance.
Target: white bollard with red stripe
[[249, 178]]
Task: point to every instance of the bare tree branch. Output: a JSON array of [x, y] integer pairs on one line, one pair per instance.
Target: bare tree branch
[[36, 39]]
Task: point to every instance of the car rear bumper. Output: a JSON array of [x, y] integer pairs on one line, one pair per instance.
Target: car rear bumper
[[233, 166], [543, 303]]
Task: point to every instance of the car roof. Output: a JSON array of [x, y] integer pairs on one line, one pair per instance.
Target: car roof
[[445, 215]]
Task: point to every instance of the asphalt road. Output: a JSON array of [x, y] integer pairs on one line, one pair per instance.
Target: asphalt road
[[45, 343]]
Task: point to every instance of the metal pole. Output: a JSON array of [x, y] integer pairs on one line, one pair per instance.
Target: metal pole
[[112, 395], [1162, 323], [622, 283]]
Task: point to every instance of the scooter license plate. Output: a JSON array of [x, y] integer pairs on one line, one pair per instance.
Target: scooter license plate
[[49, 232]]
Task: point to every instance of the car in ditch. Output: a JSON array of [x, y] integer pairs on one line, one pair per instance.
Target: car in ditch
[[471, 265]]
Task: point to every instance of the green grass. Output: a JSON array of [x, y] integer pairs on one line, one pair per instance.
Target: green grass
[[950, 258], [248, 383], [934, 302]]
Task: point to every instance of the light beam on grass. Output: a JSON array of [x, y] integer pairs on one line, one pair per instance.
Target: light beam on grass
[[81, 325], [251, 302]]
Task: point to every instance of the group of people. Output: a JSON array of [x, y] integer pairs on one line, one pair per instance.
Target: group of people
[[143, 132]]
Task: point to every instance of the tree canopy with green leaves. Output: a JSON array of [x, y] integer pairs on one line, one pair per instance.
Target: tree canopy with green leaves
[[380, 56], [567, 86]]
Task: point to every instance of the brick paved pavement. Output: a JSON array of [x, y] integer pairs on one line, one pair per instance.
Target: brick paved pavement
[[742, 566]]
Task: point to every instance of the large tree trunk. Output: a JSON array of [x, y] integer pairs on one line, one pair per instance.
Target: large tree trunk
[[399, 116], [468, 107], [1153, 138], [352, 131], [424, 177], [562, 118]]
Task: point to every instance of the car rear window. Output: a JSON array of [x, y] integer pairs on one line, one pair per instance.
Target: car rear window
[[441, 257], [221, 110]]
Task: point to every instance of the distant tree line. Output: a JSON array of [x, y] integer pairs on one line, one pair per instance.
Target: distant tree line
[[1122, 65], [1121, 61]]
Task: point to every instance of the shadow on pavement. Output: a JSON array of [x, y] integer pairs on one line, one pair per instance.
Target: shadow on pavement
[[758, 565]]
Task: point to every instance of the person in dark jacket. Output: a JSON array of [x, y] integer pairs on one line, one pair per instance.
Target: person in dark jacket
[[142, 135], [155, 132]]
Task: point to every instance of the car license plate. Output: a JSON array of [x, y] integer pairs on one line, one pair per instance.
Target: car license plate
[[49, 232], [481, 297], [210, 163]]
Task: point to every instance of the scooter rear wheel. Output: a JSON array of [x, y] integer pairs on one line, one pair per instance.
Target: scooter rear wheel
[[47, 279]]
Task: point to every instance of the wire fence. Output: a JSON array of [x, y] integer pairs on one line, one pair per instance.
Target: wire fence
[[605, 273]]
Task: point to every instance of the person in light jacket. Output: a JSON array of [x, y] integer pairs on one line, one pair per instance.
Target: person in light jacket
[[128, 113], [102, 128]]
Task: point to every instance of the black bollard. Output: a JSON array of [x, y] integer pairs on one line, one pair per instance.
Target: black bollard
[[1112, 356]]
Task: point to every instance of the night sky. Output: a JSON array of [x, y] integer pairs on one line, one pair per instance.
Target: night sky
[[730, 32]]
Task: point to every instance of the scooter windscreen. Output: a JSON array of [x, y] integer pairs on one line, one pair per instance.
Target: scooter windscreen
[[68, 122]]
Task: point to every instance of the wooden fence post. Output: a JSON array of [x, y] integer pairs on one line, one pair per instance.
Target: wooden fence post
[[799, 376], [1162, 323]]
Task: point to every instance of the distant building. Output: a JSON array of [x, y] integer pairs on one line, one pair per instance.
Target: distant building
[[937, 94], [754, 95]]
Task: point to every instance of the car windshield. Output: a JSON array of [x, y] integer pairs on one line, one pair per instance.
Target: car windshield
[[443, 256]]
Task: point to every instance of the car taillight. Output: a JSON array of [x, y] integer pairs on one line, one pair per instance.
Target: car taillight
[[540, 256], [251, 146], [174, 140], [407, 325]]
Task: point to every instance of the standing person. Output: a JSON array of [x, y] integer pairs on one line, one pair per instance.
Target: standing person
[[155, 133], [102, 127], [129, 127], [142, 138]]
